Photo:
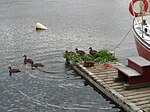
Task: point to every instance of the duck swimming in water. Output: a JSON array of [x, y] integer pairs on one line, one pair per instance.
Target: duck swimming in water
[[36, 65], [30, 61], [13, 70]]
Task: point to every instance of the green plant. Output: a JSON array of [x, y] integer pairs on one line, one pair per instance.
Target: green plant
[[101, 56]]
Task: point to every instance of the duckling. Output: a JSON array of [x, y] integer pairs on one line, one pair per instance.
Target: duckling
[[92, 52], [80, 52], [69, 52], [27, 60], [13, 70], [36, 65], [88, 63]]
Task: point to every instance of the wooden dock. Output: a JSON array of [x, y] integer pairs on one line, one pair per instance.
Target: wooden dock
[[132, 100]]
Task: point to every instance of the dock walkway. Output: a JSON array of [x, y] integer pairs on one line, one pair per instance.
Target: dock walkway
[[133, 100]]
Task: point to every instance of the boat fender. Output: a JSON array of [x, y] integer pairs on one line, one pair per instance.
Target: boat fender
[[132, 4]]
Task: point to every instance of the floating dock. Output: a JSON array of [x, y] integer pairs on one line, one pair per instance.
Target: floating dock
[[131, 100]]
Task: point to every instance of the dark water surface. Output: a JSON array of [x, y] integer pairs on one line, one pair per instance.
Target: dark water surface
[[71, 24]]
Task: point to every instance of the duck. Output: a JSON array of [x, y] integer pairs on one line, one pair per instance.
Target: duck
[[69, 52], [88, 63], [92, 52], [27, 60], [13, 70], [80, 52], [36, 65]]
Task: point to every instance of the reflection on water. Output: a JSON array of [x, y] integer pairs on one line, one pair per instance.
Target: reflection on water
[[71, 24]]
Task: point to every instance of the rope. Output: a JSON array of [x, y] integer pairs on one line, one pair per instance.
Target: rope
[[122, 39]]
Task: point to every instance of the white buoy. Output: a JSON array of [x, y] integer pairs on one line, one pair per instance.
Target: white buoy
[[40, 26]]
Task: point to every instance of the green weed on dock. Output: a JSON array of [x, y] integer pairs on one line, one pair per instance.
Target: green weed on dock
[[102, 56]]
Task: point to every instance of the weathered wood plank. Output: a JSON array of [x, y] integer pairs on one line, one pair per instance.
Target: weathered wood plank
[[145, 106], [142, 102], [136, 93], [128, 71], [135, 90], [139, 99], [140, 61], [138, 96]]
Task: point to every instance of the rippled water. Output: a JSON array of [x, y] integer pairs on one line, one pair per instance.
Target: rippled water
[[71, 24]]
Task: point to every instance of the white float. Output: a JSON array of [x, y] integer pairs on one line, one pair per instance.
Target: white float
[[40, 26]]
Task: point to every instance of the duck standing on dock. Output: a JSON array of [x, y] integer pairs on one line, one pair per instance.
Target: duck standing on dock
[[92, 52], [30, 61], [36, 65], [80, 52], [13, 70], [88, 63]]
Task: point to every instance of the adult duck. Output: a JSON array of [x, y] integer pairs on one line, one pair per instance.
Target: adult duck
[[13, 70], [92, 52], [88, 63], [80, 52], [27, 60]]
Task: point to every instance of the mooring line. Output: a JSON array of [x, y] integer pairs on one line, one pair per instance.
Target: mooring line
[[123, 39]]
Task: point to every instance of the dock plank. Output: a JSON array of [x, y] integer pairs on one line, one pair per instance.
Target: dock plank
[[136, 93], [128, 71], [140, 61], [138, 96], [145, 105], [142, 102], [139, 99]]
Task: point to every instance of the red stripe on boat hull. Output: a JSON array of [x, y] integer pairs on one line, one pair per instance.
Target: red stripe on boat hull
[[142, 49]]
